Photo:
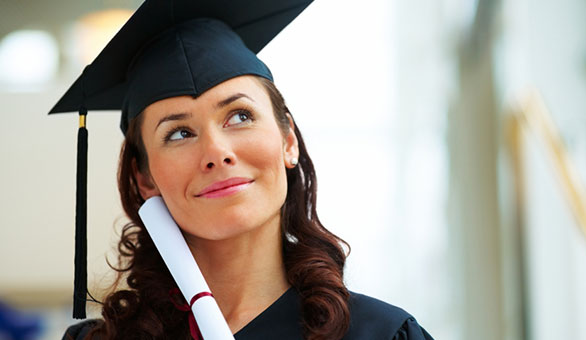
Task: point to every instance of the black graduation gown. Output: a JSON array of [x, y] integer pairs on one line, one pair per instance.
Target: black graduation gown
[[370, 319]]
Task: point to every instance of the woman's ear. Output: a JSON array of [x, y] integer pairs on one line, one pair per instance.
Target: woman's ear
[[146, 185], [291, 146]]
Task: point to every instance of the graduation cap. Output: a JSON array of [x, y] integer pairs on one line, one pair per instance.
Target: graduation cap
[[167, 48]]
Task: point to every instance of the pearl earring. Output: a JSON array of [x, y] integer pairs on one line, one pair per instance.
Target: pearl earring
[[294, 161]]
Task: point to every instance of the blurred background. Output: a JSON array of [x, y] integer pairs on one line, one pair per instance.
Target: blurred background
[[449, 138]]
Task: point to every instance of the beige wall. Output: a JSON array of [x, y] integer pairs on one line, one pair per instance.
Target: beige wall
[[38, 192]]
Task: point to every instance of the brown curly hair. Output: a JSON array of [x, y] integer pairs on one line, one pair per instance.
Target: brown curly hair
[[313, 257]]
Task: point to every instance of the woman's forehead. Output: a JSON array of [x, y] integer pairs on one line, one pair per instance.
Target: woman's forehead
[[242, 88]]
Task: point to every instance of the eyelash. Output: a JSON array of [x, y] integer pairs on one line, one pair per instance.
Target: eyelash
[[246, 112], [171, 132]]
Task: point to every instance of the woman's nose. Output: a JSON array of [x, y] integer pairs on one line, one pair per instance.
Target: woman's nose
[[216, 152]]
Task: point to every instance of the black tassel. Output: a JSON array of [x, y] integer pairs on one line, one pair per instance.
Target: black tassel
[[80, 279]]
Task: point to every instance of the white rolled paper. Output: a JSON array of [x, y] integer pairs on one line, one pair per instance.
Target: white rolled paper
[[172, 246]]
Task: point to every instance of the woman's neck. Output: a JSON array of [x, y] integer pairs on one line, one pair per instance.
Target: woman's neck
[[246, 274]]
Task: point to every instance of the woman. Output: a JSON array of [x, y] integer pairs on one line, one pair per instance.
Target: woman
[[206, 129]]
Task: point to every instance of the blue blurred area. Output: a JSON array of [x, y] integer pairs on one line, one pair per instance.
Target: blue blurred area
[[19, 325]]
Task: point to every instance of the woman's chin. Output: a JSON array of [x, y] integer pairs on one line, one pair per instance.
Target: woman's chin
[[234, 229], [217, 232]]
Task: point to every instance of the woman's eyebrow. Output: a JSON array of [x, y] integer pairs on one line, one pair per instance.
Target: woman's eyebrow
[[231, 99], [171, 117]]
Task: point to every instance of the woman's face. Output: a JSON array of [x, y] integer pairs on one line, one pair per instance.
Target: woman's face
[[218, 160]]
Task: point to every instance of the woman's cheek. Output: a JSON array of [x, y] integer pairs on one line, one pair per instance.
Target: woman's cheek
[[168, 171]]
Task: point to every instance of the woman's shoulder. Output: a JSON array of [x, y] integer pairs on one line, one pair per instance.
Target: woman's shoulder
[[80, 330], [374, 319]]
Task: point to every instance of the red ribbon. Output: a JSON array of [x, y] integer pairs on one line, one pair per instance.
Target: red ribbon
[[193, 328]]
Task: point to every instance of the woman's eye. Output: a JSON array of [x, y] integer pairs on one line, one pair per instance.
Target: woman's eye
[[179, 134], [238, 118]]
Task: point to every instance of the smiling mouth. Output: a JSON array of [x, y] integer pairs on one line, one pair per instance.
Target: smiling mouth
[[225, 188]]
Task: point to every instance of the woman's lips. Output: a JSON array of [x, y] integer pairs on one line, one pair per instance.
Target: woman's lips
[[225, 188]]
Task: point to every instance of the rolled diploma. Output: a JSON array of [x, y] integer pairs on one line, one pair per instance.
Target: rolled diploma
[[172, 246]]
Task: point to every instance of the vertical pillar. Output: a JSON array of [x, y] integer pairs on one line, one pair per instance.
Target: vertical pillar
[[473, 212]]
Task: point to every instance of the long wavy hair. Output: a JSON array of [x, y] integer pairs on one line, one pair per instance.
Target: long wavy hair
[[313, 257]]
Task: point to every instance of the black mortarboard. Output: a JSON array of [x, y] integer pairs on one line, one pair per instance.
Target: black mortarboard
[[167, 48]]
